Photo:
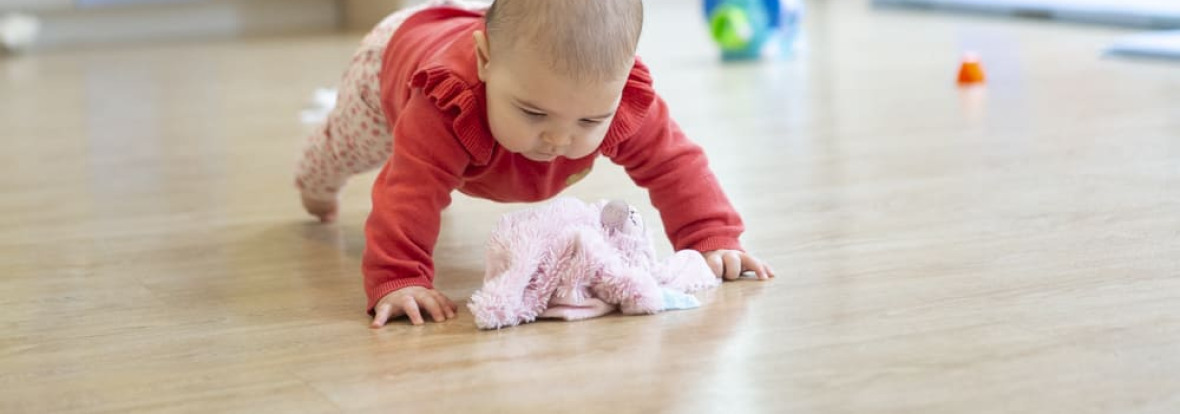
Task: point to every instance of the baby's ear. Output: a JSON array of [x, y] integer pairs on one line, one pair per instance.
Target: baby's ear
[[483, 54]]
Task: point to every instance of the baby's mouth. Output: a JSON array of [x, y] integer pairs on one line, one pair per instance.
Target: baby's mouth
[[540, 156]]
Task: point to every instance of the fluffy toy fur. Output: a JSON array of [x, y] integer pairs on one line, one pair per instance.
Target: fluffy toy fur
[[570, 260]]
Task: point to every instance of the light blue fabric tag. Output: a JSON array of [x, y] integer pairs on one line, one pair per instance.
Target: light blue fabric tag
[[675, 300]]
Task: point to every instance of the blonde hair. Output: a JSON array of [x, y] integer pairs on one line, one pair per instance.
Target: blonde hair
[[585, 39]]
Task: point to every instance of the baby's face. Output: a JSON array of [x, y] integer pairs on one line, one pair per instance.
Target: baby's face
[[542, 115]]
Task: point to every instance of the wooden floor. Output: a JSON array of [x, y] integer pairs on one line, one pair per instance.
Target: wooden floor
[[1008, 249]]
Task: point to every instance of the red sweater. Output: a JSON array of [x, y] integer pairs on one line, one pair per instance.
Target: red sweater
[[434, 103]]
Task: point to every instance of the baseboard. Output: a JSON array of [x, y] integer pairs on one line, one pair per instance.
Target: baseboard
[[362, 15], [190, 20], [1150, 14]]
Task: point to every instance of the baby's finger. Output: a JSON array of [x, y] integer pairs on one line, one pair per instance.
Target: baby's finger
[[381, 314], [753, 264], [449, 307], [410, 306], [432, 307], [733, 265], [715, 263], [443, 303]]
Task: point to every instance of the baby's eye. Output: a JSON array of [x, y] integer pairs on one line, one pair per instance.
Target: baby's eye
[[532, 114], [591, 122]]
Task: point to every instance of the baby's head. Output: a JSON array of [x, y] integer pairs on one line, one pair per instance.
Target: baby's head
[[554, 72]]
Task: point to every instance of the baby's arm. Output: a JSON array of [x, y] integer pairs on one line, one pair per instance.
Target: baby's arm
[[408, 198], [696, 213]]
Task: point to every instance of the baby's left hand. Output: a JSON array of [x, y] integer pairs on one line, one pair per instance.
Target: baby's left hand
[[730, 264]]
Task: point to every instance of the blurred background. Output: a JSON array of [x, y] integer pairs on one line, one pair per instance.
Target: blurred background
[[65, 23], [40, 24]]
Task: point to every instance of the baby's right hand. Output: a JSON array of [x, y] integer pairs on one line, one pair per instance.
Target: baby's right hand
[[325, 210], [409, 301]]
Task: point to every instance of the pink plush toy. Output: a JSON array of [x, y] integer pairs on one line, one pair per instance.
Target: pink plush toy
[[569, 260]]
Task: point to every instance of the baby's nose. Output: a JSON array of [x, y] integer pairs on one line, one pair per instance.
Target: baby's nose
[[558, 140]]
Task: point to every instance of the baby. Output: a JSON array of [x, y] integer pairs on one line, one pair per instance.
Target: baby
[[513, 104]]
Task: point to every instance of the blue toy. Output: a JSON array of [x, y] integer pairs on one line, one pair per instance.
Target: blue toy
[[749, 29]]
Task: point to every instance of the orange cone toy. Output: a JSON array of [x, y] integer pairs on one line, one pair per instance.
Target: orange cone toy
[[971, 71]]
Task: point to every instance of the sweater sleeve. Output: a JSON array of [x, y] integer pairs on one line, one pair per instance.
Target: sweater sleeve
[[696, 213], [409, 195]]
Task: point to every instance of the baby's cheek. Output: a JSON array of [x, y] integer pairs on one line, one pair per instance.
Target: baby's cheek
[[512, 137], [580, 151], [588, 145]]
